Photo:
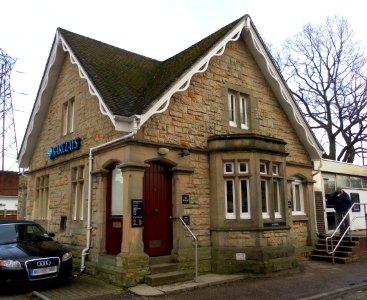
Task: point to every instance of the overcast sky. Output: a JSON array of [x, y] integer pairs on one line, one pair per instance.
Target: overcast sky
[[154, 28]]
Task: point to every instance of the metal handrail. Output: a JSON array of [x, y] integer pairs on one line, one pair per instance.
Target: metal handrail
[[196, 248], [331, 249]]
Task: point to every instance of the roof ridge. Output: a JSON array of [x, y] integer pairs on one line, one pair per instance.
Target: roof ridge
[[65, 31]]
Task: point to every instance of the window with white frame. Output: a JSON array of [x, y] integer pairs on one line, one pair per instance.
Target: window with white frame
[[232, 109], [271, 191], [245, 198], [68, 117], [297, 198], [230, 199], [243, 111], [238, 110], [263, 168], [265, 198], [117, 193], [236, 189], [42, 197], [276, 199], [78, 192]]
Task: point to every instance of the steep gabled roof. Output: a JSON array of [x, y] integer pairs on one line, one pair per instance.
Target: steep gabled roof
[[131, 87], [129, 82], [121, 77]]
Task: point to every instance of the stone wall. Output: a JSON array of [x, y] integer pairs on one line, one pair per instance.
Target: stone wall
[[90, 125], [201, 110], [192, 117]]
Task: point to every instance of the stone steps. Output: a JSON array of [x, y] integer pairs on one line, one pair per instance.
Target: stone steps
[[165, 271], [342, 255]]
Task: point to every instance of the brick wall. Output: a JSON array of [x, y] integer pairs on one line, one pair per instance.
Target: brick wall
[[320, 220]]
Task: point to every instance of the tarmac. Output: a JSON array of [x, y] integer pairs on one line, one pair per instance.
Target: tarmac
[[312, 281]]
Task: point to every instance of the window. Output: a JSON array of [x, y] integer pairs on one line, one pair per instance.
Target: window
[[116, 193], [297, 198], [228, 168], [237, 110], [243, 111], [245, 199], [263, 168], [68, 117], [242, 167], [77, 180], [232, 109], [230, 205], [271, 182], [236, 189], [354, 197], [264, 199], [276, 199], [42, 194], [275, 169]]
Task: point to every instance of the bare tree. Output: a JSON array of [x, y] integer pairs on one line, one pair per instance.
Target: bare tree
[[325, 70]]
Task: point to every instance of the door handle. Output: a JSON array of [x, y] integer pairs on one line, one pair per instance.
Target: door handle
[[156, 210]]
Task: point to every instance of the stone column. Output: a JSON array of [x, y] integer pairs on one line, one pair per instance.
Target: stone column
[[132, 258]]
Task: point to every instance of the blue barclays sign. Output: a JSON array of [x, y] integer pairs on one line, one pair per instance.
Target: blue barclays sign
[[63, 148]]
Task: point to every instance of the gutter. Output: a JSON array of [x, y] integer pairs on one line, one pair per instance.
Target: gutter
[[85, 251]]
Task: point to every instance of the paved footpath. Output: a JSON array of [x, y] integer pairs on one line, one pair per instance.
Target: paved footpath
[[314, 281]]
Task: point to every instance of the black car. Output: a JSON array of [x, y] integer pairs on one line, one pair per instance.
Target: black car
[[28, 254]]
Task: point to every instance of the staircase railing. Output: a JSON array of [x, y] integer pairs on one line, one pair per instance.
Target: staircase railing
[[330, 249], [196, 247]]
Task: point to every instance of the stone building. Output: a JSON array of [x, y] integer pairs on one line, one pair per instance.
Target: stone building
[[122, 149]]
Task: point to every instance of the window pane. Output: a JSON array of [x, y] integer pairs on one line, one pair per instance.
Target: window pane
[[71, 115], [329, 189], [231, 109], [228, 168], [65, 119], [276, 196], [229, 196], [116, 193], [263, 168], [243, 111], [242, 166], [244, 196], [264, 196], [297, 204], [342, 181], [355, 182]]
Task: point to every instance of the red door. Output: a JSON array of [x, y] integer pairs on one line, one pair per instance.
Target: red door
[[114, 211], [157, 194]]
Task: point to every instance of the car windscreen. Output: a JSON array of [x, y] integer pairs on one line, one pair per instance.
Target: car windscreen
[[14, 233]]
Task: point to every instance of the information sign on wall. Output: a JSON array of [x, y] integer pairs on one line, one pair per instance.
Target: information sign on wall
[[137, 213]]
